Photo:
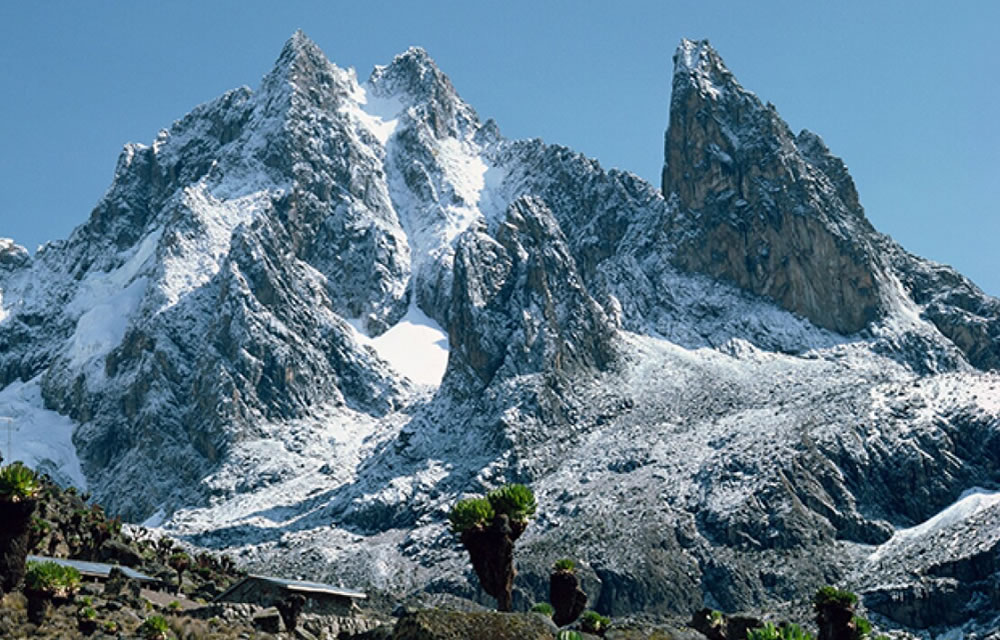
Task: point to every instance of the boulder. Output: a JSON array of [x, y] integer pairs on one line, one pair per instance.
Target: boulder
[[269, 620], [114, 551], [432, 624]]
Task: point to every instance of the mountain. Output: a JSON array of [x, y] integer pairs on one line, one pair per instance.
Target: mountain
[[310, 316]]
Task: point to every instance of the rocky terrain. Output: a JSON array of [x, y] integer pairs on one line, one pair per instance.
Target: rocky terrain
[[309, 317]]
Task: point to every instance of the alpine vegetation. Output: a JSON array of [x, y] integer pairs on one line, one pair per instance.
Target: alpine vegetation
[[488, 528]]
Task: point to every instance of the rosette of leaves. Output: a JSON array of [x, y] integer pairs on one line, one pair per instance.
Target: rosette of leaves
[[471, 513], [154, 628], [516, 501], [567, 634], [543, 608], [52, 578], [564, 564], [593, 622], [86, 620], [18, 483]]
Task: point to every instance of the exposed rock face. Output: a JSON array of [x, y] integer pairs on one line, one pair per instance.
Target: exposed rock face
[[774, 213], [520, 305], [957, 307]]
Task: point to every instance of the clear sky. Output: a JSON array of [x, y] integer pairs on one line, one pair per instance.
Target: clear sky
[[907, 93]]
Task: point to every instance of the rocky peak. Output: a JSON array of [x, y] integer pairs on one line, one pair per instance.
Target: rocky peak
[[12, 256], [415, 80], [775, 214], [698, 64], [303, 73]]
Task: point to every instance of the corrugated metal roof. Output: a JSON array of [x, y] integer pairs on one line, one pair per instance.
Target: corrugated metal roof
[[301, 586], [313, 587], [99, 569]]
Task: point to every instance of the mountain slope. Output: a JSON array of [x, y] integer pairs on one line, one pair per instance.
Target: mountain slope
[[740, 376]]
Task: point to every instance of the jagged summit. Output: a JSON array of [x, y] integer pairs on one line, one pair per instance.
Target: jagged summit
[[697, 64]]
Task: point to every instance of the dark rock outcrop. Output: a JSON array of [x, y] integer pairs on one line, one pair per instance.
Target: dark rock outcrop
[[769, 211], [519, 304]]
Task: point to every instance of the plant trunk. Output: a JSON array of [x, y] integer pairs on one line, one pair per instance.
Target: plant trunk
[[39, 605], [835, 623], [14, 535], [566, 596], [492, 553]]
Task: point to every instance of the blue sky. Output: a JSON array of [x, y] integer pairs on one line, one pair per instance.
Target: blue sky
[[905, 92]]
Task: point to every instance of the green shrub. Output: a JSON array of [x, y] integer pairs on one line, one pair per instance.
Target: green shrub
[[564, 564], [832, 596], [515, 500], [594, 622], [862, 628], [87, 613], [110, 626], [174, 605], [51, 578], [470, 513], [786, 632], [543, 608], [154, 628], [569, 635], [18, 482]]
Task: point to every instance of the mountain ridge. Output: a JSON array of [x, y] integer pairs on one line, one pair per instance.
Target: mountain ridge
[[650, 363]]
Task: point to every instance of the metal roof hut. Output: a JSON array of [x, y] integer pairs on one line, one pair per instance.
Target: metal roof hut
[[97, 571], [268, 591]]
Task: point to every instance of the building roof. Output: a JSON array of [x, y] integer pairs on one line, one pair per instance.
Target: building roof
[[300, 586], [94, 569]]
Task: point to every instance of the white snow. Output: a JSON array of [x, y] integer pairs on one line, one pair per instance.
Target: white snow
[[156, 519], [379, 115], [968, 504], [101, 328], [40, 438], [104, 303], [196, 258], [416, 347], [3, 312]]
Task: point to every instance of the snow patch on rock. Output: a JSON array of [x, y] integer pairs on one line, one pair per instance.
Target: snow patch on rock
[[42, 439], [416, 346], [968, 504]]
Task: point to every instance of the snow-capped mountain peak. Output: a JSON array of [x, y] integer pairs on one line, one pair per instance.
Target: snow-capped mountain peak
[[327, 301]]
